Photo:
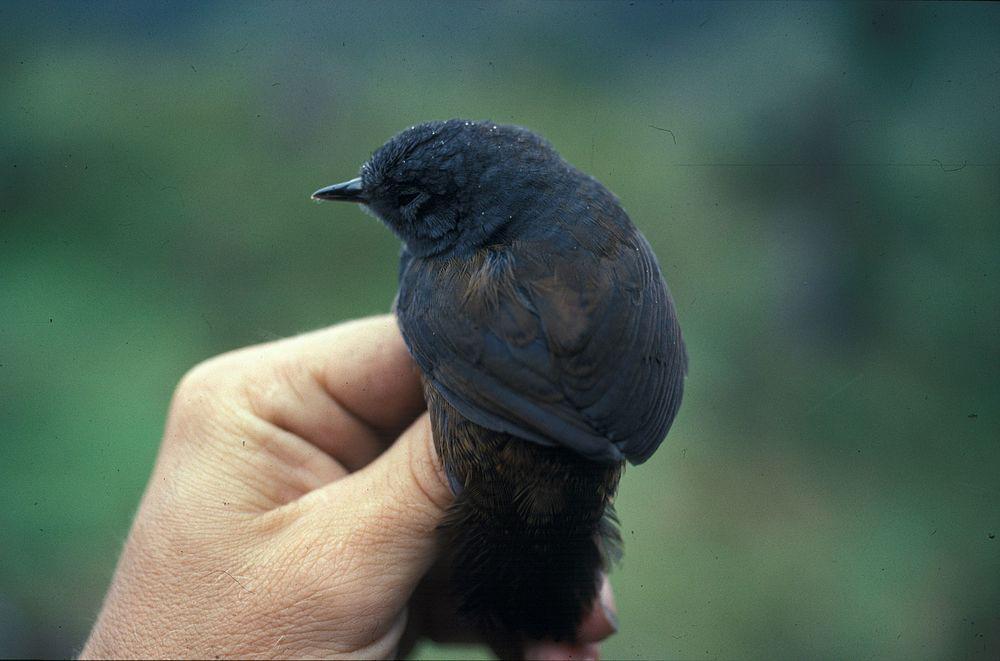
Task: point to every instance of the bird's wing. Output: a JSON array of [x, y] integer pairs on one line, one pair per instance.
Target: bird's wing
[[571, 340]]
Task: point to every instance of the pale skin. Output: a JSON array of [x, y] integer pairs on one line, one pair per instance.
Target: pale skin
[[292, 514]]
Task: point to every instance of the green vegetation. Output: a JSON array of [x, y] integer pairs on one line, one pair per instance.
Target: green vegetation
[[820, 182]]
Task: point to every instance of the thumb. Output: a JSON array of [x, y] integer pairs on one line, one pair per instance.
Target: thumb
[[384, 517]]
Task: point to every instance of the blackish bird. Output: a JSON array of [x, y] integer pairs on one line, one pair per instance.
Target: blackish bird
[[550, 353]]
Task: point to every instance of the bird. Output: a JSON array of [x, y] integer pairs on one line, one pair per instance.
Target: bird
[[549, 350]]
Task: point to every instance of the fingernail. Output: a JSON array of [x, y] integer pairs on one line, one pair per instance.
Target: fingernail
[[549, 651], [590, 652], [607, 599]]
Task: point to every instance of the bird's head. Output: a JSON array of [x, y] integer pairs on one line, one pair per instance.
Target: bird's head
[[451, 187]]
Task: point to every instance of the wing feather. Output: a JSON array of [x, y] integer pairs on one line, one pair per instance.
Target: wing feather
[[555, 340]]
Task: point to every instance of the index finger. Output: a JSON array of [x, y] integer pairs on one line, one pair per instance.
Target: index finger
[[348, 389], [365, 366]]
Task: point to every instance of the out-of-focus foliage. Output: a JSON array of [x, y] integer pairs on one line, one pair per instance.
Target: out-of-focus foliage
[[820, 182]]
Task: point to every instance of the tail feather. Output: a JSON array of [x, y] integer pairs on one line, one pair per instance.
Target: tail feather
[[529, 532], [535, 581]]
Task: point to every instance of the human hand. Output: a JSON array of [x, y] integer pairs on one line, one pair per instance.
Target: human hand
[[292, 512]]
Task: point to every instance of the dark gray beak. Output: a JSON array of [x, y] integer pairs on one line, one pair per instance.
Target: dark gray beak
[[349, 191]]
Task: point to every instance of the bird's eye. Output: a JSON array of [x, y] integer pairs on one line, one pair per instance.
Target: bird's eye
[[405, 199]]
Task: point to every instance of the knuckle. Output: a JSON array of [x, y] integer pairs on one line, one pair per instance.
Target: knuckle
[[204, 395], [205, 377], [268, 393]]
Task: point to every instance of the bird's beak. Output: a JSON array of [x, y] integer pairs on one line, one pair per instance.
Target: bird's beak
[[349, 191]]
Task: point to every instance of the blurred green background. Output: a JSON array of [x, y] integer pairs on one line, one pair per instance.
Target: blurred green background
[[821, 183]]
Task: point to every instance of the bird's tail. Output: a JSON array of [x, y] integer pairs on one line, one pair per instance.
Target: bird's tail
[[528, 535]]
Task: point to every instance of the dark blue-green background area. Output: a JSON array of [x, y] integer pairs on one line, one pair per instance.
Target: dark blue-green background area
[[820, 182]]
